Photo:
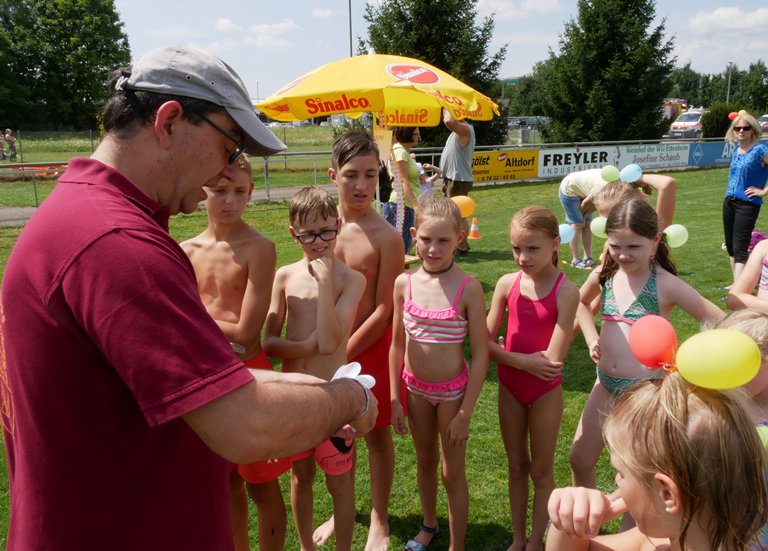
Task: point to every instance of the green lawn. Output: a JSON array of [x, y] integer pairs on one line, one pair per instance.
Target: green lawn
[[701, 262]]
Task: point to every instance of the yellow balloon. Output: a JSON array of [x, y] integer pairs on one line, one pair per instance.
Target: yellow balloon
[[720, 358], [466, 205]]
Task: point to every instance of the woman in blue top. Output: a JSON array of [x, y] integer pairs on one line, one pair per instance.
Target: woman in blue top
[[744, 196]]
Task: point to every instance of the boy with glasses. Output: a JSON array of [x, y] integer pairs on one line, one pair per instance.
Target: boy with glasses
[[316, 299]]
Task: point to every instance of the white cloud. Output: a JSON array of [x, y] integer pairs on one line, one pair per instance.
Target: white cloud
[[730, 20], [512, 9], [226, 25], [270, 36], [322, 13]]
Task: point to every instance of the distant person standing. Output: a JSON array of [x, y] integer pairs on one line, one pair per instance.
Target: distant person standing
[[746, 188], [456, 166], [576, 192], [11, 141], [2, 150]]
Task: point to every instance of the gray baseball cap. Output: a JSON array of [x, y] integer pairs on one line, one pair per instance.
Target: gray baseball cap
[[188, 71]]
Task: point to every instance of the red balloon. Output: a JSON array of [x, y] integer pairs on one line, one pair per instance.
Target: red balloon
[[653, 341], [732, 115]]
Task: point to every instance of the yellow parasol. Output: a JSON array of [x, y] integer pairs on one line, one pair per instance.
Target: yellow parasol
[[400, 91]]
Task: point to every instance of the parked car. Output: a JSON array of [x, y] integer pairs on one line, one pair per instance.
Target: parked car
[[763, 122], [688, 125]]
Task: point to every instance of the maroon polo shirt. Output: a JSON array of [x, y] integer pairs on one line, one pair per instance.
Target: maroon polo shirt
[[105, 345]]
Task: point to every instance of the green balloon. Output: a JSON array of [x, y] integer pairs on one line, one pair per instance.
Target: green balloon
[[598, 227], [609, 173], [676, 235]]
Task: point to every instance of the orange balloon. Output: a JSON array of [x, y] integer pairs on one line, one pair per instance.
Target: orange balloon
[[466, 205], [653, 341]]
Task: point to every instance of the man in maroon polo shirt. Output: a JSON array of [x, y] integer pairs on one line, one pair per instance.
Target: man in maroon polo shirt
[[122, 401]]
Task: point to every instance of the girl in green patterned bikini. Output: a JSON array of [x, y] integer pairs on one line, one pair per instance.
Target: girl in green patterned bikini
[[637, 278]]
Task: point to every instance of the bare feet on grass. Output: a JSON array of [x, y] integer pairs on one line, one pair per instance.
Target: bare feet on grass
[[378, 535], [323, 532]]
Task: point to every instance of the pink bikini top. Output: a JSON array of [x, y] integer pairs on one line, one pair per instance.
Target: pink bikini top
[[434, 326]]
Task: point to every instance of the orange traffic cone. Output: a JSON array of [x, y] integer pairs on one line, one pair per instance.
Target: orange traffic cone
[[474, 231]]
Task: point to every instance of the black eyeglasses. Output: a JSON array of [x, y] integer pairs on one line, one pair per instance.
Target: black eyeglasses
[[742, 128], [240, 145], [309, 238]]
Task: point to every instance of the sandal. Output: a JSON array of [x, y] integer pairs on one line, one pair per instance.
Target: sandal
[[588, 263], [413, 545], [576, 263]]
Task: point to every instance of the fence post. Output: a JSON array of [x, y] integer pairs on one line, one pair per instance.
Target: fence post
[[19, 151], [90, 134], [266, 176]]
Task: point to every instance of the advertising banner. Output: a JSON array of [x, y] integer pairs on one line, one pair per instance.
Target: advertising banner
[[491, 166], [710, 153], [657, 155], [555, 163]]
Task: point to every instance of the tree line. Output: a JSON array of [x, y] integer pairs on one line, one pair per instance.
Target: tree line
[[607, 81], [55, 56]]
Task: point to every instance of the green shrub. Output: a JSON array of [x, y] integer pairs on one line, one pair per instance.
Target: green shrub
[[716, 121]]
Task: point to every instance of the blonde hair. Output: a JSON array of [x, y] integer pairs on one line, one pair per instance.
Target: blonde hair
[[311, 201], [706, 443], [441, 207], [537, 218], [756, 134], [244, 164], [615, 192], [752, 323]]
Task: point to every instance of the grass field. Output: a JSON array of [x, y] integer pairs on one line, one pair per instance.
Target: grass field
[[701, 262]]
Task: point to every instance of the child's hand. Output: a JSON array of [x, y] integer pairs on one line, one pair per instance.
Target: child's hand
[[579, 512], [538, 365], [458, 430], [398, 418], [321, 268], [594, 350]]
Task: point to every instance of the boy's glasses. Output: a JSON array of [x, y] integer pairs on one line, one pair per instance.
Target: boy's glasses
[[240, 145], [309, 238], [742, 128]]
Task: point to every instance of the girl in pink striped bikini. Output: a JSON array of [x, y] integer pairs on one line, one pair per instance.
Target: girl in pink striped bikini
[[435, 308], [754, 275]]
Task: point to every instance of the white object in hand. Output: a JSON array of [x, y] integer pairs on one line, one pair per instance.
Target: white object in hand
[[352, 371]]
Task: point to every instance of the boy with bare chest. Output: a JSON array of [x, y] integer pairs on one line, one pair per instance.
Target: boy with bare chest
[[235, 266], [316, 299]]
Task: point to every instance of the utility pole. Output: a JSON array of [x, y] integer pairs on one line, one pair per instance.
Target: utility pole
[[728, 93], [350, 28]]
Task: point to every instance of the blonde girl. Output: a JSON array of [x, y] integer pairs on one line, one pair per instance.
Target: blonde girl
[[637, 278], [435, 308], [690, 470], [540, 304], [665, 187]]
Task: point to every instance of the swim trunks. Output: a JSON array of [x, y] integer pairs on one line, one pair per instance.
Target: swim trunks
[[333, 456], [530, 324], [260, 472], [375, 362]]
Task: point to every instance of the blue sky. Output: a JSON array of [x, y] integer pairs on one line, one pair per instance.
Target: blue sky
[[270, 42]]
